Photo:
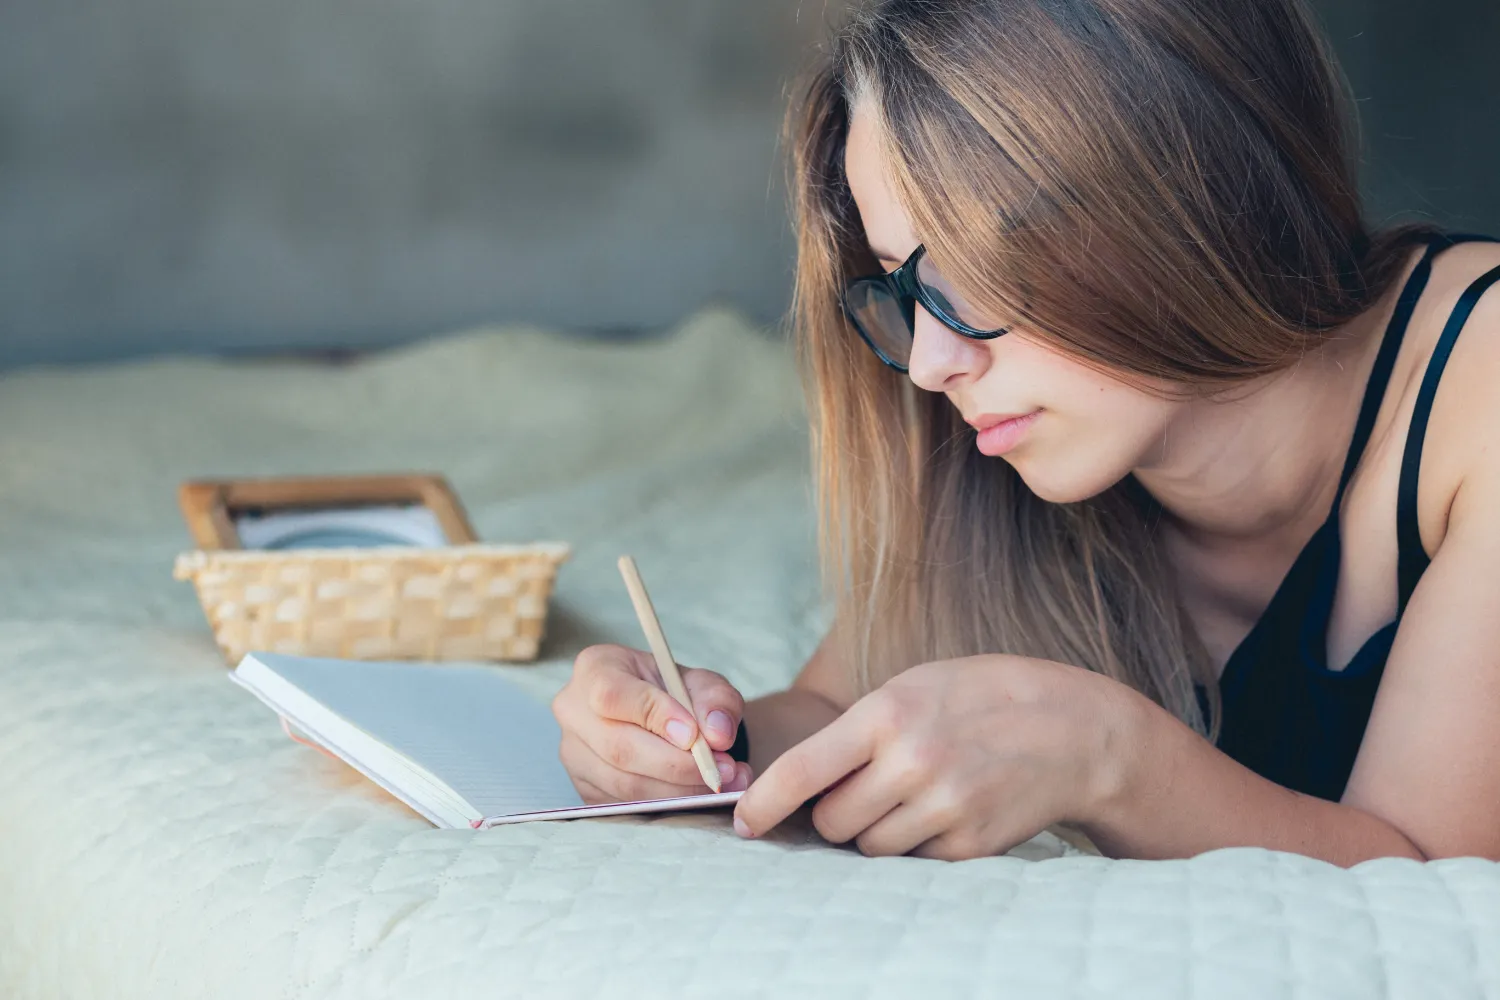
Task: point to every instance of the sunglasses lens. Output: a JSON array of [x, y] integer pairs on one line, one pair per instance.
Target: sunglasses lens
[[881, 319], [949, 301]]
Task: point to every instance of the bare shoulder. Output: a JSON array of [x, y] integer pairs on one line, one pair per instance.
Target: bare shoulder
[[1461, 448]]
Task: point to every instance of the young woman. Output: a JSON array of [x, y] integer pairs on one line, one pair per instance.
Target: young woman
[[1160, 493]]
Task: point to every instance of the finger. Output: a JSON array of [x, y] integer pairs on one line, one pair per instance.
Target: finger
[[743, 775], [803, 771], [575, 762], [954, 845], [583, 764], [630, 748], [620, 786], [728, 770], [856, 803], [612, 657], [624, 697], [960, 841], [718, 705], [589, 792], [904, 829], [581, 724]]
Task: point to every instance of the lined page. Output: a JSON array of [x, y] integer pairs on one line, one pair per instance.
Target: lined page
[[478, 733]]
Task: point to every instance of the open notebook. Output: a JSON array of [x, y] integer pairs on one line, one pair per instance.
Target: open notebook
[[463, 746]]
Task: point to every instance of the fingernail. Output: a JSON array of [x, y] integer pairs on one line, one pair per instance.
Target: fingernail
[[680, 733], [741, 829], [726, 771], [718, 721]]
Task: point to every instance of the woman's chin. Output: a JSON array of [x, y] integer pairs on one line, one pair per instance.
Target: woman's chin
[[1057, 483]]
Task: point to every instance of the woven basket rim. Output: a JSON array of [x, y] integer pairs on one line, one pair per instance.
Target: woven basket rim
[[557, 551]]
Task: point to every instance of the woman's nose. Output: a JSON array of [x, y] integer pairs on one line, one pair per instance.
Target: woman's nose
[[940, 358]]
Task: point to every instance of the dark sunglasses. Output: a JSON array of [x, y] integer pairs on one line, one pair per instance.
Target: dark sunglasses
[[883, 308]]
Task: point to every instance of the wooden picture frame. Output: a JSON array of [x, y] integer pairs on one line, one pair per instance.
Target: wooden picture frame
[[210, 506]]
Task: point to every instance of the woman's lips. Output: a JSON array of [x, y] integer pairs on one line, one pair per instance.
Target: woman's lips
[[998, 435]]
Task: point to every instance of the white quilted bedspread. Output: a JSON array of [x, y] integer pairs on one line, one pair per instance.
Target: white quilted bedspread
[[160, 837]]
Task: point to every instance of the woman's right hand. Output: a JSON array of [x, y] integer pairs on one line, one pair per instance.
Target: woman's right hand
[[626, 739]]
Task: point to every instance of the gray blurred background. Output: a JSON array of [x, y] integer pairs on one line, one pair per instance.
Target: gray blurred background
[[210, 175]]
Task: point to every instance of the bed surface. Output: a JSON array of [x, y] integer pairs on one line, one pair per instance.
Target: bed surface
[[160, 837]]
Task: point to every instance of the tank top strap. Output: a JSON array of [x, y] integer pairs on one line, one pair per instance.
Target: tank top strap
[[1412, 557], [1385, 361]]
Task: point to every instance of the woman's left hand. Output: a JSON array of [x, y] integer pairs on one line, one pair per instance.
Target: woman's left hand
[[958, 759]]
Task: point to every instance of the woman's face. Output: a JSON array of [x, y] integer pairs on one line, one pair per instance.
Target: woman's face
[[1068, 430]]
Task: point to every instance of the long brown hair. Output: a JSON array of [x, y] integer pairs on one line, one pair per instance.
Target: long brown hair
[[1160, 188]]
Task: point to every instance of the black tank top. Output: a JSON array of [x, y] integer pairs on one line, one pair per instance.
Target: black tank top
[[1286, 715]]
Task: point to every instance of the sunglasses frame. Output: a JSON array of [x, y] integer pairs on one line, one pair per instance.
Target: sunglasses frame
[[908, 290]]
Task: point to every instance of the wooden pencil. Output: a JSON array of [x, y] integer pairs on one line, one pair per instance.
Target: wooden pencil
[[670, 675]]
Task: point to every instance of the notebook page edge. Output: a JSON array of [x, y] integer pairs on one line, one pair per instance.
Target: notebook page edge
[[478, 731], [293, 703], [288, 692], [368, 771], [636, 808]]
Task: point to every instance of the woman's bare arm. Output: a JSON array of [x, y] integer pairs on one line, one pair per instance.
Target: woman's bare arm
[[777, 722]]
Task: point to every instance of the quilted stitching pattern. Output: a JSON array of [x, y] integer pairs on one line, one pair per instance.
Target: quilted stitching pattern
[[160, 838]]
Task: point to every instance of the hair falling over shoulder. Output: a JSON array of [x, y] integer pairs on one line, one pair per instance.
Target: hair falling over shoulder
[[1161, 188]]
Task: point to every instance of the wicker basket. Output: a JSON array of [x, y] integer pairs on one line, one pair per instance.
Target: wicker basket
[[464, 602]]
